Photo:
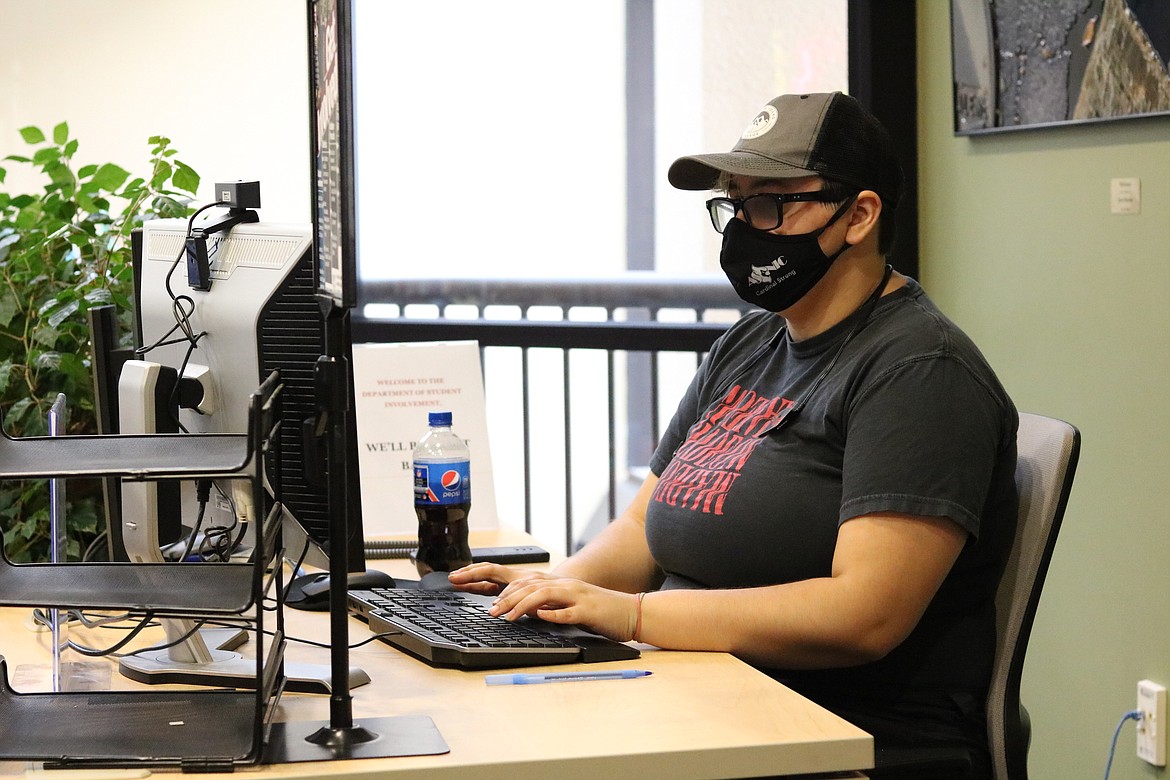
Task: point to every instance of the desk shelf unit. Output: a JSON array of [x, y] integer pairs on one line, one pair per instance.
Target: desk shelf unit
[[191, 729]]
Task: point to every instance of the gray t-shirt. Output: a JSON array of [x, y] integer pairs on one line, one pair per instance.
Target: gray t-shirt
[[909, 418]]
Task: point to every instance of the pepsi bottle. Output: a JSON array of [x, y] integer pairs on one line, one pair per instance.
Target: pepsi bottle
[[442, 497]]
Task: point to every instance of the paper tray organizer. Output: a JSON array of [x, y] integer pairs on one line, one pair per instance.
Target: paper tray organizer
[[151, 727]]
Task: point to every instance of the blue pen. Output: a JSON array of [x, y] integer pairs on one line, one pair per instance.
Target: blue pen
[[534, 679]]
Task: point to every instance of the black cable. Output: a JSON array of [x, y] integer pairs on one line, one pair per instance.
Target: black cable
[[312, 642], [198, 523], [182, 316], [95, 545], [41, 617], [224, 532], [297, 567], [96, 653], [167, 645]]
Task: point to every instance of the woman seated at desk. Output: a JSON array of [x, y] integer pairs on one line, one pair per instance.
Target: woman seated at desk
[[834, 499]]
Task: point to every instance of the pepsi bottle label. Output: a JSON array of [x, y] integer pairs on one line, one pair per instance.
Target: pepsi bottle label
[[442, 484]]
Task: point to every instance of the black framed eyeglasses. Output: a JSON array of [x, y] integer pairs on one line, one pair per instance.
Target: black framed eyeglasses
[[764, 211]]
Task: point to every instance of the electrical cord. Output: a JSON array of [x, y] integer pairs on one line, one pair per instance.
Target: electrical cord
[[95, 546], [166, 645], [202, 495], [222, 543], [296, 568], [147, 620], [217, 539], [313, 642], [182, 306], [41, 617], [1131, 715]]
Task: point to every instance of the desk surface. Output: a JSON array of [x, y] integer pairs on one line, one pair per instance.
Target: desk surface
[[700, 715]]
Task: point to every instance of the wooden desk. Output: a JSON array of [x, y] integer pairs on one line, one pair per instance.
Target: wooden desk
[[700, 715]]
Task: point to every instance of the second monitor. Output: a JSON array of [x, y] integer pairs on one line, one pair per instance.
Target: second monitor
[[258, 314]]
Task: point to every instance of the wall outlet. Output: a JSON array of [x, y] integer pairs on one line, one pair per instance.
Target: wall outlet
[[1151, 729]]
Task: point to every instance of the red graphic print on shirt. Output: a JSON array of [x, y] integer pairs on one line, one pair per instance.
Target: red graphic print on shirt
[[706, 465]]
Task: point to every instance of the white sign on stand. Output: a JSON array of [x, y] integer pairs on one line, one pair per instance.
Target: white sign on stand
[[395, 387]]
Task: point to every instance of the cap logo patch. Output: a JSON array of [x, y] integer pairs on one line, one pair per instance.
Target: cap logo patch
[[761, 124]]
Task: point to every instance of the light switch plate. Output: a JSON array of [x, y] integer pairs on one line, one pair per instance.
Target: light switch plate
[[1125, 196]]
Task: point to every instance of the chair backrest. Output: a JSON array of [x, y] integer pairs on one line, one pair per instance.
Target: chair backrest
[[1047, 459]]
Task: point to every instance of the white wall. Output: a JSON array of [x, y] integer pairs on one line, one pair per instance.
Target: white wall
[[226, 80]]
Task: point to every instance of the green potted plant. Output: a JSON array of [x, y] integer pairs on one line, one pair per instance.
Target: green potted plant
[[64, 250]]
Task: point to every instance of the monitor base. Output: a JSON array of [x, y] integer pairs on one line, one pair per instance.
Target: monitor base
[[229, 670], [405, 735]]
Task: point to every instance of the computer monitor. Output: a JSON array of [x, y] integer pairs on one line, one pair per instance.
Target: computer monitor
[[331, 82], [259, 314], [207, 345], [334, 219]]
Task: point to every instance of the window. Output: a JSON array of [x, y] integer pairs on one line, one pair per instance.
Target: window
[[527, 138], [492, 136]]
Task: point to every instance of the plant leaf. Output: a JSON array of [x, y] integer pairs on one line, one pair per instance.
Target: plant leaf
[[166, 206], [63, 250], [17, 411], [60, 173], [32, 135], [8, 310], [46, 155], [98, 296], [48, 359], [110, 177], [162, 172], [47, 337], [185, 177]]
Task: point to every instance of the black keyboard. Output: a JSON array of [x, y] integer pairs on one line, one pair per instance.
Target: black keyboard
[[446, 628]]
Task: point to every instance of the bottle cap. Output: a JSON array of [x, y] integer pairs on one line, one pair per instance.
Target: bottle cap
[[439, 419]]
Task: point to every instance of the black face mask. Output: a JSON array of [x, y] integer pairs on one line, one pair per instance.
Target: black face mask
[[772, 271]]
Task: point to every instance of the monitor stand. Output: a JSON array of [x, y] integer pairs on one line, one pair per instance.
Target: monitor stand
[[193, 661], [340, 737]]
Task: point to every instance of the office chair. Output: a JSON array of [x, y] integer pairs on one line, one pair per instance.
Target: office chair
[[1046, 462]]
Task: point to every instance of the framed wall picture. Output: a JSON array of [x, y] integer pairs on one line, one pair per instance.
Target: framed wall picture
[[1023, 64]]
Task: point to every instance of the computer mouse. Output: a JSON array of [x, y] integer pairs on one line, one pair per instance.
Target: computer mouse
[[311, 591], [435, 580]]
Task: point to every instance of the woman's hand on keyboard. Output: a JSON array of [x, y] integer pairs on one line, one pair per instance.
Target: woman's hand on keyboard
[[490, 578], [610, 613]]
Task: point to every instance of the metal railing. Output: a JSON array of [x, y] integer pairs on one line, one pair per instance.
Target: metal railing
[[638, 316]]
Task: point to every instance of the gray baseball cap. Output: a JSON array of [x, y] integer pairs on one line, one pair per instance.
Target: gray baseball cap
[[825, 134]]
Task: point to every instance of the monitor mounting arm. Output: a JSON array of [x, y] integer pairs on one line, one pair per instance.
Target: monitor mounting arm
[[198, 263]]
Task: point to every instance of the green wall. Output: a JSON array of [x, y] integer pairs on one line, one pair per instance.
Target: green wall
[[1071, 304]]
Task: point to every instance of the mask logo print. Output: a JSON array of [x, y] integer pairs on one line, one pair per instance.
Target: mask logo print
[[762, 274]]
